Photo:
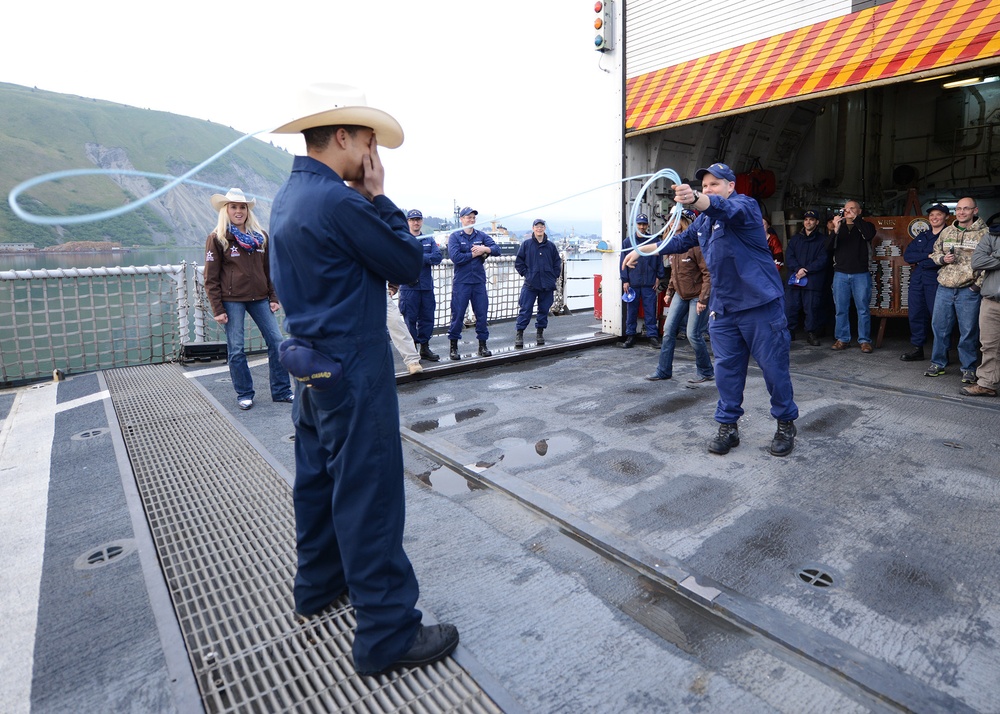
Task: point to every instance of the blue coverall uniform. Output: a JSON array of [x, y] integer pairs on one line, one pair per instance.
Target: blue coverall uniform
[[807, 251], [469, 283], [416, 299], [747, 312], [538, 262], [642, 278], [332, 253], [923, 286]]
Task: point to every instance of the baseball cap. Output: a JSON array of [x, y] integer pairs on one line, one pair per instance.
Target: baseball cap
[[811, 214], [718, 170], [537, 221], [414, 213], [628, 295], [939, 207], [311, 367], [688, 215], [642, 218], [466, 211]]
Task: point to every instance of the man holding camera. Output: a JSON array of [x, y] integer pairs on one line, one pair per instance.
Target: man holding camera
[[851, 243]]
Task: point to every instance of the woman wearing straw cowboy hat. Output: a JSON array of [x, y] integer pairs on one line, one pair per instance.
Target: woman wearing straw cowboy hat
[[238, 282], [335, 246]]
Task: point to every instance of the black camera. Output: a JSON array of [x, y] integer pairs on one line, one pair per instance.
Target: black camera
[[841, 213]]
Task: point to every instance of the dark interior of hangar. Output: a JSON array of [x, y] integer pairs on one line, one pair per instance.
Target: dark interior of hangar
[[874, 144]]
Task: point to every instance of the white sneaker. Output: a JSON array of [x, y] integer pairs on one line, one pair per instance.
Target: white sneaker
[[414, 368], [245, 404]]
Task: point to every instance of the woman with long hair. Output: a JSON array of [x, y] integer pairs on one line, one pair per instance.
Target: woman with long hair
[[238, 282]]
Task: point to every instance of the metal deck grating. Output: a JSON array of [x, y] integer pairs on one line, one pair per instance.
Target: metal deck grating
[[224, 529]]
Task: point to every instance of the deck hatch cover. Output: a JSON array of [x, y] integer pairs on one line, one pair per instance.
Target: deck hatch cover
[[224, 529]]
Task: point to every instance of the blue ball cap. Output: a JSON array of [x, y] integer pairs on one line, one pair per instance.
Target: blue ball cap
[[307, 365], [629, 295], [811, 214], [414, 213], [718, 170], [939, 207], [642, 218], [688, 215], [537, 222], [466, 211]]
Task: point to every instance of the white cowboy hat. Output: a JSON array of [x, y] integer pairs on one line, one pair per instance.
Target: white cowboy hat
[[333, 104], [234, 195]]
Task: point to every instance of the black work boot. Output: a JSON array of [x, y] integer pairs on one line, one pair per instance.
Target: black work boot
[[727, 438], [629, 342], [425, 353], [914, 355], [654, 341], [812, 339], [454, 350], [483, 351], [784, 439], [519, 339], [539, 337]]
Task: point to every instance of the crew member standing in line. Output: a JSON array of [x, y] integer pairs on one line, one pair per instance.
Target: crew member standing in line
[[851, 244], [746, 307], [238, 282], [923, 282], [807, 258], [538, 262], [336, 245], [644, 278], [468, 249], [416, 300], [986, 257]]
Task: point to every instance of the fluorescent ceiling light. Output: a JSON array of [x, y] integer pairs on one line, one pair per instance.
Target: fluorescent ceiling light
[[969, 81], [935, 78]]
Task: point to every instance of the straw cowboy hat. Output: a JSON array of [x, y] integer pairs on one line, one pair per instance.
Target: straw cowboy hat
[[234, 195], [339, 104]]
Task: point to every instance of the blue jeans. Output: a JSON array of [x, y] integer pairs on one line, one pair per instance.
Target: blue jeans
[[647, 295], [678, 311], [239, 371], [859, 287], [951, 304]]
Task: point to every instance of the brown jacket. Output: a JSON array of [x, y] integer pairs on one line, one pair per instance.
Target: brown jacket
[[234, 275], [962, 243], [689, 276]]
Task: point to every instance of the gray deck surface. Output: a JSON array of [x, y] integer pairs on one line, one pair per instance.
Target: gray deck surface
[[892, 491]]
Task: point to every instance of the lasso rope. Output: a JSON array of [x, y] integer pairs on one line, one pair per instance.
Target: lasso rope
[[669, 229]]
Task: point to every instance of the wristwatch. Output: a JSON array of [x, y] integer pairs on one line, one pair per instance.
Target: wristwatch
[[697, 195]]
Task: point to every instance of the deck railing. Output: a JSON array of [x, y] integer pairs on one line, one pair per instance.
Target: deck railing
[[82, 319]]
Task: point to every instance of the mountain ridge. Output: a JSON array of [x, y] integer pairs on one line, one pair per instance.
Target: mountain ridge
[[43, 132]]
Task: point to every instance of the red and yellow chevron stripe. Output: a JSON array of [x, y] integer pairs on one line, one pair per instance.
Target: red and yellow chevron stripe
[[878, 43]]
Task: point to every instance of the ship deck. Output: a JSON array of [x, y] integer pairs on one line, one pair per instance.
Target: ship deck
[[561, 511]]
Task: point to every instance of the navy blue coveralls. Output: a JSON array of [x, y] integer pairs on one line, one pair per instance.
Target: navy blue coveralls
[[538, 262], [332, 254], [642, 278], [469, 283], [416, 299], [806, 251], [746, 306], [923, 286]]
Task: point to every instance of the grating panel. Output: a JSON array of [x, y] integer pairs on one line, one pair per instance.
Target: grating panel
[[224, 529]]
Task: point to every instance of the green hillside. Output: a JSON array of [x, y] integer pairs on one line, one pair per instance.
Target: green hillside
[[42, 132]]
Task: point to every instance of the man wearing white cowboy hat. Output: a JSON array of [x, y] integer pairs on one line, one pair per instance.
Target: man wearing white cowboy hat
[[335, 246]]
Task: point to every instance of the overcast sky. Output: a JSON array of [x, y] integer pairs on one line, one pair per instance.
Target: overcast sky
[[503, 104]]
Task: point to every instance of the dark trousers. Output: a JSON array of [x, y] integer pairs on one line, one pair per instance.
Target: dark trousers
[[648, 297], [799, 300], [526, 302], [761, 332], [417, 308], [349, 505], [921, 296], [461, 295]]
